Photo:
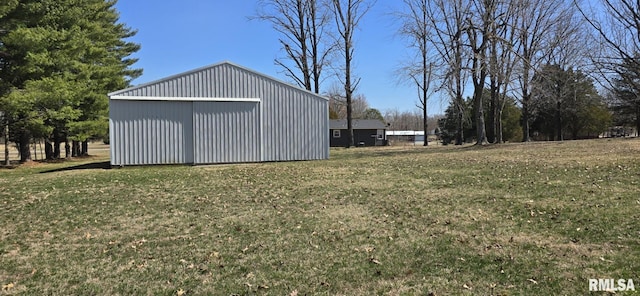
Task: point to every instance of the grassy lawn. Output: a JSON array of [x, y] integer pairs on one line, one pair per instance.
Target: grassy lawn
[[515, 219]]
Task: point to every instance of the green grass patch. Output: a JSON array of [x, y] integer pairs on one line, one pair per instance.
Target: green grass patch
[[532, 219]]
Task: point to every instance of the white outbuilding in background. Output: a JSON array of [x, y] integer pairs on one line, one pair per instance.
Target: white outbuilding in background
[[223, 113]]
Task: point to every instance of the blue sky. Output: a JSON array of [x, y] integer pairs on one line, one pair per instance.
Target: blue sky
[[178, 36]]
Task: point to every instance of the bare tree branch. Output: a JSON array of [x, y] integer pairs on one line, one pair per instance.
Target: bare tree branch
[[416, 28], [302, 25]]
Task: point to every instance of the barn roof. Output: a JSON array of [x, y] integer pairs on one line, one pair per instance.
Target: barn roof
[[129, 90], [357, 124]]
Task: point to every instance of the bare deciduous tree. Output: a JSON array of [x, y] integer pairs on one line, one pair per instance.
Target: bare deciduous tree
[[616, 26], [480, 30], [338, 103], [407, 120], [347, 15], [537, 20], [447, 17], [302, 24], [501, 63], [417, 30]]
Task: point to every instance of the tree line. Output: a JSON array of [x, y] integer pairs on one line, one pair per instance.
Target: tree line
[[58, 60], [546, 58]]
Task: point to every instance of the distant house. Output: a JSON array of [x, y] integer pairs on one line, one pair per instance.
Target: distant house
[[366, 132]]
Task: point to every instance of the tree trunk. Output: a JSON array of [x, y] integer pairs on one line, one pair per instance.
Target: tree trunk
[[24, 146], [67, 149], [525, 119], [317, 62], [57, 141], [350, 138], [7, 161], [638, 120], [425, 126], [460, 123], [491, 125], [558, 122], [348, 91], [85, 148], [425, 87], [498, 127], [498, 121], [35, 150], [75, 148], [481, 133], [48, 149]]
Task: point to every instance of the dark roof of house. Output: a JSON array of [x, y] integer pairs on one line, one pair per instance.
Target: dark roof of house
[[357, 124]]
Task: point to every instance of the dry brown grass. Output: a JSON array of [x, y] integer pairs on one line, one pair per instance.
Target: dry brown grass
[[535, 218]]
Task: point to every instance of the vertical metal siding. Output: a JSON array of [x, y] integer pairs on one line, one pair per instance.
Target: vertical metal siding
[[292, 124], [143, 133], [226, 132], [295, 126]]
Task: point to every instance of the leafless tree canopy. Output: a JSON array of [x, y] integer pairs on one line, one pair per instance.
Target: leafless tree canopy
[[360, 106], [487, 44], [338, 103], [408, 120], [447, 22], [416, 29], [616, 26], [304, 26], [538, 31]]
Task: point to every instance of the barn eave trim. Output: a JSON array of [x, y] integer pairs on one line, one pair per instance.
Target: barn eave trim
[[185, 99]]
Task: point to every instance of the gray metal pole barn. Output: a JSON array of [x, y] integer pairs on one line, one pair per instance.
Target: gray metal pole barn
[[222, 113]]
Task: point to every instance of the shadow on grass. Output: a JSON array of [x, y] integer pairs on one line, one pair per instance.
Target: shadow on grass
[[87, 166]]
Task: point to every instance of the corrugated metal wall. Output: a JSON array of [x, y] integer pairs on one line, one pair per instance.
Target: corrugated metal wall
[[143, 133], [226, 132], [292, 123], [294, 128]]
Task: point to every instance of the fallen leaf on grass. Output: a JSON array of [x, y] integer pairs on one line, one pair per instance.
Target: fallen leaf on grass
[[466, 287], [8, 286], [605, 260], [294, 293], [533, 281], [180, 292]]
